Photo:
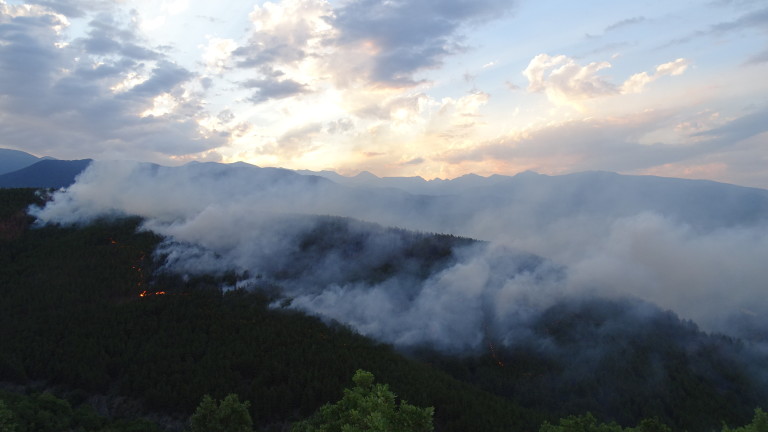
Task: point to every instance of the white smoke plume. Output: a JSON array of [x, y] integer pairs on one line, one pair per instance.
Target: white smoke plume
[[595, 237]]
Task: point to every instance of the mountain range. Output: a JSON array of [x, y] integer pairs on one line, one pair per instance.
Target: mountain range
[[536, 197], [13, 160], [591, 291]]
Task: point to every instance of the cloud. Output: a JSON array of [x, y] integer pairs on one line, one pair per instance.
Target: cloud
[[625, 23], [87, 97], [592, 144], [402, 38], [696, 145], [755, 19], [565, 82], [761, 57], [108, 35], [360, 43], [739, 129], [414, 161], [294, 142], [637, 82], [74, 8], [286, 41], [217, 53], [273, 89]]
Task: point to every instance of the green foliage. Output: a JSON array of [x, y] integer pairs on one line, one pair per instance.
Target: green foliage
[[368, 407], [759, 423], [230, 415], [620, 365], [44, 412], [7, 419], [588, 423], [582, 423], [651, 425]]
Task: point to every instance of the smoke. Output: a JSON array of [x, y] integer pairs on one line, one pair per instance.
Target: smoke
[[543, 244]]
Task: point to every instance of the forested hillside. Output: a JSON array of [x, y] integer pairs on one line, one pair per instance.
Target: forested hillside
[[88, 313], [72, 316]]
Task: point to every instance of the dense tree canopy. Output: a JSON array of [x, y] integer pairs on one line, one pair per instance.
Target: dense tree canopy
[[72, 321], [368, 407], [228, 415]]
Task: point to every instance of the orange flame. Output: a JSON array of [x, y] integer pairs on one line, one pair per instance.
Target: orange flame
[[146, 293]]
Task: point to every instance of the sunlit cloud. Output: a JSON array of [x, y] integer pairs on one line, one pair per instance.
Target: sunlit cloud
[[565, 82], [379, 86], [216, 55]]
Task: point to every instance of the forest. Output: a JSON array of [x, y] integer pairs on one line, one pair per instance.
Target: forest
[[92, 326]]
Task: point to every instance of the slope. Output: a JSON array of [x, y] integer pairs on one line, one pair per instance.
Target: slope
[[12, 160], [72, 316], [45, 174]]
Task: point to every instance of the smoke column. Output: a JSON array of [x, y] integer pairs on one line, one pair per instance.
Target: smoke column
[[704, 264]]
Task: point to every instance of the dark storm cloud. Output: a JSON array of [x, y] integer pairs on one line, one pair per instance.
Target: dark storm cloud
[[411, 35]]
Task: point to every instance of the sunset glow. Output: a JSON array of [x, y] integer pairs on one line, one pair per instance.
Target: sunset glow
[[409, 88]]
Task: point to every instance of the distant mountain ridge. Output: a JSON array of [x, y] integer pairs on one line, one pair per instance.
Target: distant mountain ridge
[[548, 198], [46, 173], [455, 202], [13, 160]]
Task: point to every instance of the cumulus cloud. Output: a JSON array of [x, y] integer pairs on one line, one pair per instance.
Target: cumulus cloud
[[562, 79], [636, 83], [284, 33], [286, 40], [566, 82]]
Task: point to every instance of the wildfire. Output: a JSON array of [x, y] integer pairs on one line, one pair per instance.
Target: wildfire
[[493, 354], [146, 293]]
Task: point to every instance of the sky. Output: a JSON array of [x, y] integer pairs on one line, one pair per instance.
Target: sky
[[431, 88]]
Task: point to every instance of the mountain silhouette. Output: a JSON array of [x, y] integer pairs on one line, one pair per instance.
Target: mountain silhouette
[[46, 174]]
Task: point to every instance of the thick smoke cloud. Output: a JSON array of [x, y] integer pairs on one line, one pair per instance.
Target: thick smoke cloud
[[696, 248]]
